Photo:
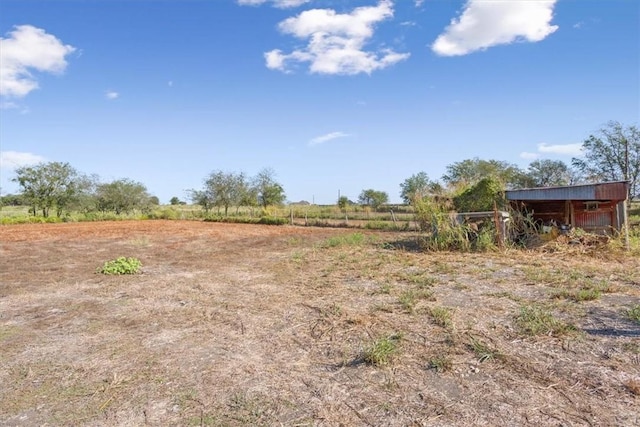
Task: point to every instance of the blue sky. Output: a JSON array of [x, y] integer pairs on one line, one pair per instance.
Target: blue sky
[[333, 95]]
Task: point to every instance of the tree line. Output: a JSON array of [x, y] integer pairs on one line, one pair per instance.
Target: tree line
[[59, 186], [610, 154], [224, 190]]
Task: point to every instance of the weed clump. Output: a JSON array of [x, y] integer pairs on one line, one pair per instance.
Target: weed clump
[[634, 313], [121, 265], [441, 316], [441, 363], [534, 320], [381, 351], [354, 239]]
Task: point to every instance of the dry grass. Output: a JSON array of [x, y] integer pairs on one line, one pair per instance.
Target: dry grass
[[236, 325]]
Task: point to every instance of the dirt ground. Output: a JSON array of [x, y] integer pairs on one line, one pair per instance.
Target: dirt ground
[[232, 325]]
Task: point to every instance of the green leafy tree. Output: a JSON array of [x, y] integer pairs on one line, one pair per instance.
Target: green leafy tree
[[85, 198], [174, 201], [122, 196], [612, 154], [226, 189], [481, 196], [268, 191], [373, 198], [343, 202], [13, 200], [203, 198], [470, 171], [416, 187], [47, 185], [548, 173]]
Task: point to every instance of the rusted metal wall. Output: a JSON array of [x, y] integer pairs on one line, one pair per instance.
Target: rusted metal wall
[[603, 191], [601, 220]]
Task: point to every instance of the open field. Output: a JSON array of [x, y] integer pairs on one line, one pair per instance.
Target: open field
[[233, 325]]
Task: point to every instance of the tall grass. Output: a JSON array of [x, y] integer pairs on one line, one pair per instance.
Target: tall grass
[[444, 233]]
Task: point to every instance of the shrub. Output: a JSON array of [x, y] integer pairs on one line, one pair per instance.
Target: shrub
[[121, 265], [481, 197]]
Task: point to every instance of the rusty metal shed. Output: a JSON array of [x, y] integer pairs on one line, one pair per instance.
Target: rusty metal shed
[[597, 208]]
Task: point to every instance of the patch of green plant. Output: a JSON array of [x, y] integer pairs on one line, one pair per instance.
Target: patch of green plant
[[535, 320], [121, 265], [385, 288], [441, 363], [441, 316], [265, 220], [634, 313], [504, 294], [269, 220], [482, 350], [353, 239], [409, 298], [420, 279], [631, 347], [589, 291], [382, 351]]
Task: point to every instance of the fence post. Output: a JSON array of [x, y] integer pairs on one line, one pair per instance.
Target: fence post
[[498, 222]]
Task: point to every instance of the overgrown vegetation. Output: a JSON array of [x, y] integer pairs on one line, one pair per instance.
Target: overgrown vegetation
[[443, 232], [121, 265]]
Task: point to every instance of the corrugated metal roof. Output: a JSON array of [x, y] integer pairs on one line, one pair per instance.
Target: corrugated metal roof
[[601, 191]]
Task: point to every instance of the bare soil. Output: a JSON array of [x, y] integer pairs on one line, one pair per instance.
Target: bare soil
[[232, 325]]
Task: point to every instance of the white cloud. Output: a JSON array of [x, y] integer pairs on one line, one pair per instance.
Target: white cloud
[[529, 156], [110, 95], [10, 160], [326, 138], [487, 23], [336, 41], [28, 48], [281, 4], [563, 149]]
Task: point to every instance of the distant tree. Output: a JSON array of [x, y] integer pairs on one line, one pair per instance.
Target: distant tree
[[174, 201], [154, 200], [227, 189], [269, 192], [202, 198], [343, 202], [47, 185], [470, 171], [548, 173], [612, 154], [248, 195], [85, 199], [373, 198], [13, 200], [122, 196], [416, 187]]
